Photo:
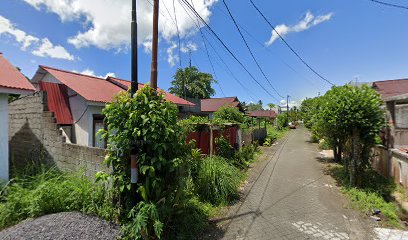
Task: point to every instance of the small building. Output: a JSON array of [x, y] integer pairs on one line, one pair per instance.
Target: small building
[[211, 105], [12, 82], [77, 100], [265, 114]]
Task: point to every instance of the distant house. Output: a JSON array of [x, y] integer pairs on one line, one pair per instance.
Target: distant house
[[211, 105], [266, 114], [77, 101], [390, 88], [11, 82]]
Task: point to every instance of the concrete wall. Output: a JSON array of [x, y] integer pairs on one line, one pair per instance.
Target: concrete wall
[[391, 163], [4, 163], [35, 137], [254, 135]]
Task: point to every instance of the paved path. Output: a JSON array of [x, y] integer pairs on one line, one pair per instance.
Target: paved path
[[289, 197]]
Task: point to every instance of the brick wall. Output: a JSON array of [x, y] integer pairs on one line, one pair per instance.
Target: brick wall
[[34, 137]]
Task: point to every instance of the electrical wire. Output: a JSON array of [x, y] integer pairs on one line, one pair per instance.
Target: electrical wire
[[290, 47], [188, 5], [390, 4], [250, 51]]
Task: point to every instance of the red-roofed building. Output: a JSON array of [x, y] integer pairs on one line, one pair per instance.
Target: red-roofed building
[[390, 88], [77, 101], [269, 114], [11, 82], [211, 105]]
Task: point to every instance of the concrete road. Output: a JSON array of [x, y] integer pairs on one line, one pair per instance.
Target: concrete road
[[289, 197]]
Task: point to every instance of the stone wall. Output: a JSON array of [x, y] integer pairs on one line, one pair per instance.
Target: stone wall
[[391, 163], [254, 135], [34, 137]]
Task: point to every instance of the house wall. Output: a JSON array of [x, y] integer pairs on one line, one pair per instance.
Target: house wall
[[35, 138], [82, 114], [4, 160], [391, 163]]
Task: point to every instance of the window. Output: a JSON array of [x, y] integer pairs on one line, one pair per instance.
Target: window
[[98, 124]]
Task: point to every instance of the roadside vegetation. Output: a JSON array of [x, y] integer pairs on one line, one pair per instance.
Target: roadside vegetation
[[347, 120], [178, 187]]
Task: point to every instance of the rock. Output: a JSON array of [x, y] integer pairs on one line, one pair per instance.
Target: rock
[[375, 218]]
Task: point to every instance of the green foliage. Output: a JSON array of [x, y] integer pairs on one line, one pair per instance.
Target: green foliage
[[229, 114], [223, 148], [190, 82], [374, 193], [271, 106], [268, 142], [147, 123], [282, 121], [255, 106], [309, 111], [217, 181], [51, 191], [245, 156]]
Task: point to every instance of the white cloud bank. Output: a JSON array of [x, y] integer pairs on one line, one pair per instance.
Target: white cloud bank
[[90, 72], [41, 48], [307, 22], [107, 22]]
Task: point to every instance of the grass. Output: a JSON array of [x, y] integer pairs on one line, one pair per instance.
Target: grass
[[51, 191], [375, 193]]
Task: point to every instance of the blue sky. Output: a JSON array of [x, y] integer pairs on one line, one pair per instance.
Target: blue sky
[[350, 39]]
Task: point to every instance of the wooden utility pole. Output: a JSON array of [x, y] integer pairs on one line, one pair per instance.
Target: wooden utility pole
[[155, 43], [134, 170], [287, 109]]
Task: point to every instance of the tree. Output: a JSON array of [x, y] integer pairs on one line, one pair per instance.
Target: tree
[[271, 106], [350, 118], [229, 114], [190, 82], [255, 106]]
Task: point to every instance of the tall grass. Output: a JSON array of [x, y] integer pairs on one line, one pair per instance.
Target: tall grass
[[217, 181], [51, 191]]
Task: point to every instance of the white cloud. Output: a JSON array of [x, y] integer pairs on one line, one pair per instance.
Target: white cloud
[[190, 46], [307, 22], [47, 49], [41, 48], [107, 22], [171, 57], [6, 27], [90, 72]]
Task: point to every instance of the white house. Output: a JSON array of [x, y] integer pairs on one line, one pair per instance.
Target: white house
[[11, 82], [77, 101]]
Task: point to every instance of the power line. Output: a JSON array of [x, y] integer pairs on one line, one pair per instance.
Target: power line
[[290, 47], [250, 51], [390, 4], [176, 24], [224, 45], [208, 56]]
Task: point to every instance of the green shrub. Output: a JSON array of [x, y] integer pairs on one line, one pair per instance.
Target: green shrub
[[245, 156], [223, 148], [268, 142], [50, 192], [217, 181], [229, 114]]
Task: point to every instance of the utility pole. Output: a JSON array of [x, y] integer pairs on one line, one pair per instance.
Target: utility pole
[[134, 171], [155, 43], [287, 109], [189, 51]]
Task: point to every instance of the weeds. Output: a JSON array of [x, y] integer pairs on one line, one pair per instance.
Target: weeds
[[51, 191], [374, 193]]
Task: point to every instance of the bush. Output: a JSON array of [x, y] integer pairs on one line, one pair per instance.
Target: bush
[[245, 156], [223, 148], [50, 192], [229, 114], [217, 181], [282, 121]]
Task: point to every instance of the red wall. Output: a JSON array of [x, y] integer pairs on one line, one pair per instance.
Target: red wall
[[202, 138]]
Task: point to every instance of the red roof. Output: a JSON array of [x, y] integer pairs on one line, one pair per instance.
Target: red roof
[[213, 104], [263, 114], [91, 88], [58, 101], [10, 77], [170, 97], [391, 88], [97, 89]]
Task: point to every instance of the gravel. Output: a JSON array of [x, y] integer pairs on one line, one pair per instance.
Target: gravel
[[68, 225]]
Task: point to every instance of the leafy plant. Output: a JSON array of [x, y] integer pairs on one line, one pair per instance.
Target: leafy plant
[[268, 142], [147, 125], [217, 181], [245, 156], [282, 121], [223, 148], [229, 114]]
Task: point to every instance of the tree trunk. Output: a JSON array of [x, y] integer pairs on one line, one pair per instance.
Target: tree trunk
[[355, 157]]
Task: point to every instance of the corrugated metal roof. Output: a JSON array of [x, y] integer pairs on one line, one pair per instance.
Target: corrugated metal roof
[[91, 88], [391, 88], [58, 102], [170, 97], [263, 114], [10, 77], [213, 104]]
